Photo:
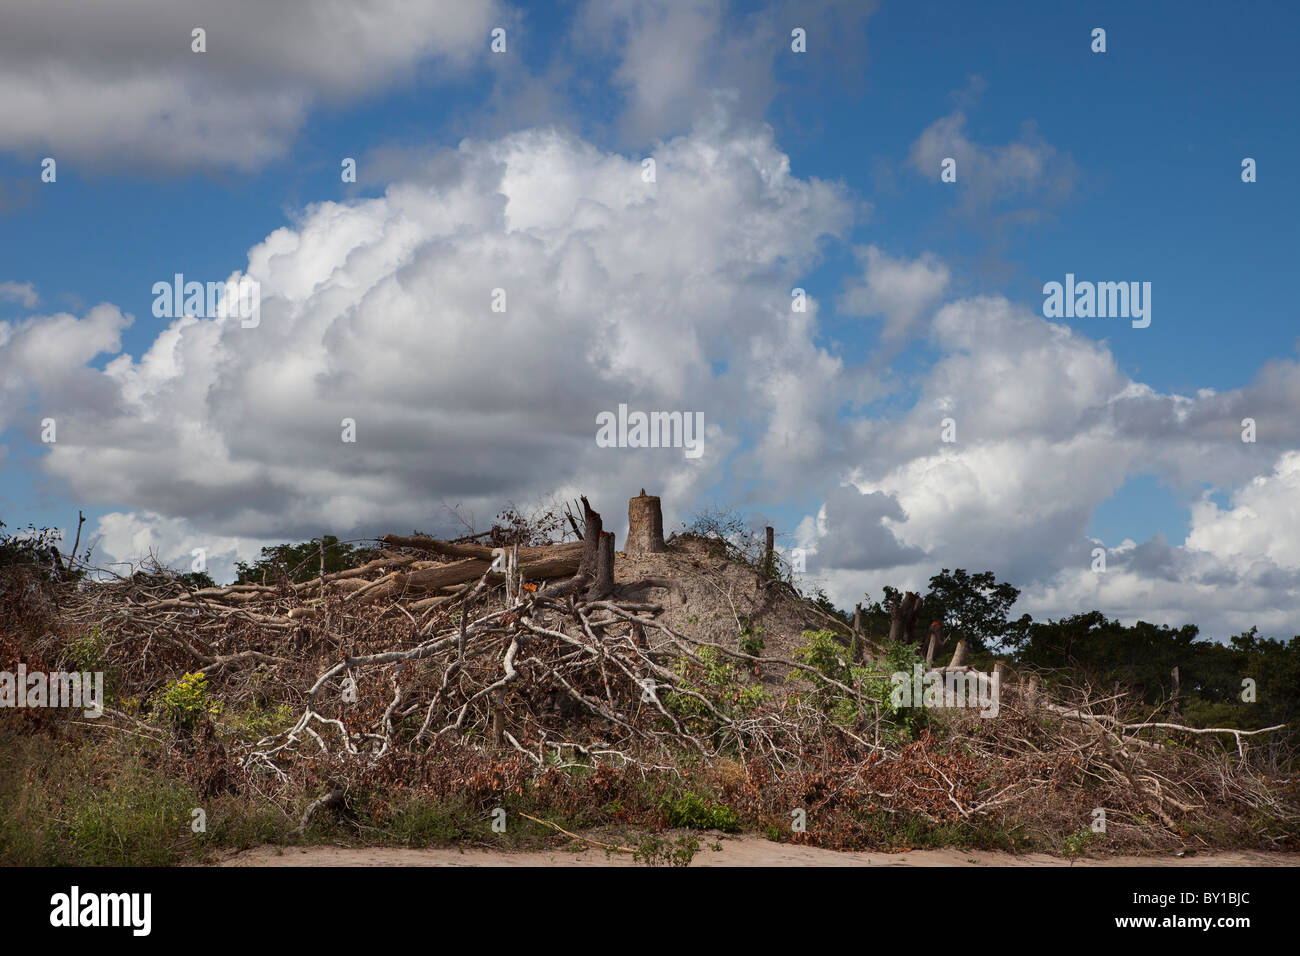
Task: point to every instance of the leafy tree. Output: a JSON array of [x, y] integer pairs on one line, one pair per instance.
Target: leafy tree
[[1140, 658], [1274, 666], [300, 562], [196, 580], [970, 606], [1103, 651]]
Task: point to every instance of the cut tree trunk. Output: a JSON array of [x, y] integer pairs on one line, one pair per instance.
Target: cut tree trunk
[[855, 646], [590, 539], [645, 525], [933, 642], [959, 655], [902, 618], [603, 586]]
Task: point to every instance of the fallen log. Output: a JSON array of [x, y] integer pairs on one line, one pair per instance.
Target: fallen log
[[478, 551], [554, 562]]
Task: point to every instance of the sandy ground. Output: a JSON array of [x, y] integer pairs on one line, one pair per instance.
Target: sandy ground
[[742, 850]]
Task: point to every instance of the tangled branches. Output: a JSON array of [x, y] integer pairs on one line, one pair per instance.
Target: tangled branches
[[543, 659], [552, 675]]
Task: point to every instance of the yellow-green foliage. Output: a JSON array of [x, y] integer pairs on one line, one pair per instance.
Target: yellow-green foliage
[[186, 701]]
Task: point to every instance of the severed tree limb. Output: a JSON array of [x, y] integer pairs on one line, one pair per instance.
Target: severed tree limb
[[604, 846], [331, 799]]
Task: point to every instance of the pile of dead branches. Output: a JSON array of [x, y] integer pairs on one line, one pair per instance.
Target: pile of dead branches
[[530, 648], [539, 652]]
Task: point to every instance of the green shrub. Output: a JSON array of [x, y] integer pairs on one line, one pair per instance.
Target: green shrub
[[692, 811], [186, 701]]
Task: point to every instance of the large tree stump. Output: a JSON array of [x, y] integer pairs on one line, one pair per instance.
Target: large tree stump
[[959, 655], [603, 586], [645, 525], [933, 642], [902, 618]]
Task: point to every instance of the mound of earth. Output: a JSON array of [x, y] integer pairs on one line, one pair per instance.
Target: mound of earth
[[712, 598]]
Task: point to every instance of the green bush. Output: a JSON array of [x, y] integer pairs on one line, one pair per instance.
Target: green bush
[[692, 811], [185, 702]]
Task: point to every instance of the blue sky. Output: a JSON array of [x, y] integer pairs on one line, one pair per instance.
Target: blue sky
[[1134, 157]]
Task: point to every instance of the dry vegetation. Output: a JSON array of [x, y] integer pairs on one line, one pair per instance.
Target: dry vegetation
[[581, 690]]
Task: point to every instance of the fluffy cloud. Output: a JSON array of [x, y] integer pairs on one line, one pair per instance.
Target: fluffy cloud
[[379, 310], [668, 56], [1014, 180], [1048, 428], [855, 536], [44, 359], [900, 291], [24, 293], [94, 82], [1263, 519]]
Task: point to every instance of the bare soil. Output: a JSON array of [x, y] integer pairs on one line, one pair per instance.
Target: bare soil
[[743, 850], [714, 599]]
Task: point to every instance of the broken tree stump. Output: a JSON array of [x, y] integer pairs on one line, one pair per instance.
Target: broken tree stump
[[959, 655], [933, 642], [855, 646], [645, 525], [603, 585], [590, 539], [902, 618], [1031, 693]]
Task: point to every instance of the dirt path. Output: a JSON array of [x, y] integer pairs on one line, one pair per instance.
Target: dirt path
[[736, 851]]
